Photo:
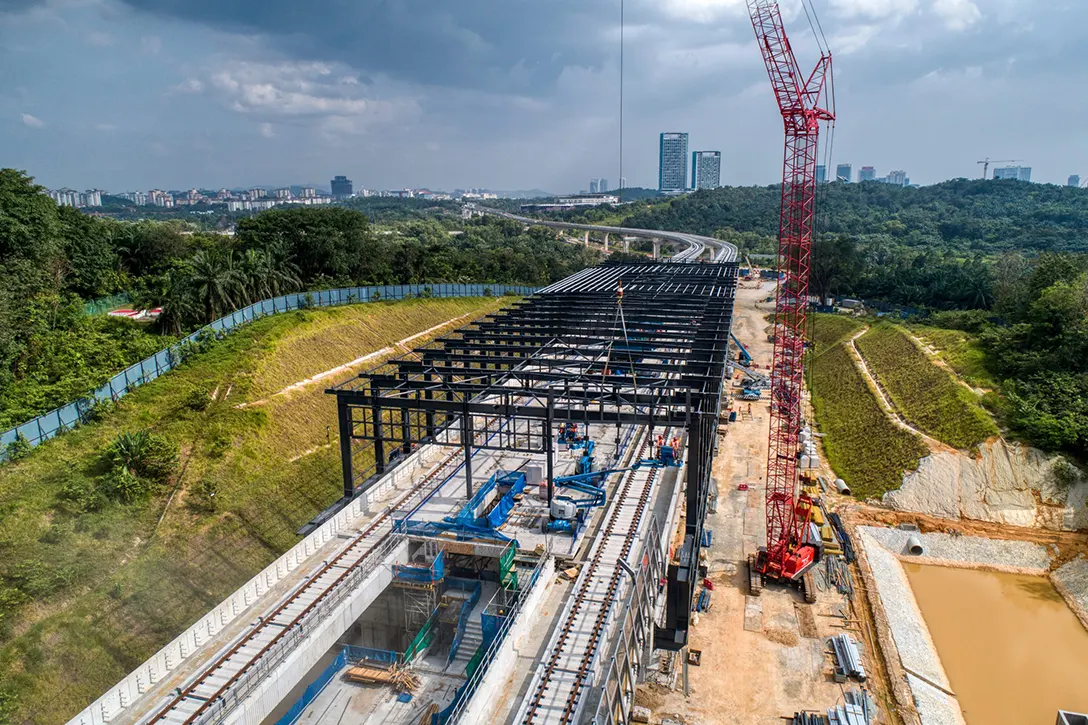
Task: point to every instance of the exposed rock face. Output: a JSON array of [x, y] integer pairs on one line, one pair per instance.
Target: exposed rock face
[[1005, 483]]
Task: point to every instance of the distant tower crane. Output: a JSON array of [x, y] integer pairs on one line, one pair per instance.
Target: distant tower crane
[[988, 161], [791, 550]]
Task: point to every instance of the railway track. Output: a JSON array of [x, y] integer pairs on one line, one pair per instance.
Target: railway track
[[566, 671], [203, 698]]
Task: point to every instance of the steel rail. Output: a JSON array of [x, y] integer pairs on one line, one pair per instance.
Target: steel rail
[[590, 579]]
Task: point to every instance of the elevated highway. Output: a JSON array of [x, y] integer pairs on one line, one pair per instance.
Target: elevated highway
[[697, 245]]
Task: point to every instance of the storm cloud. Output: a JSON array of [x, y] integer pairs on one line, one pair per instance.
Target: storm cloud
[[517, 94]]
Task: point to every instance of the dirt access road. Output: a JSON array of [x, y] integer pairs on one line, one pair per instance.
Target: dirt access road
[[757, 663]]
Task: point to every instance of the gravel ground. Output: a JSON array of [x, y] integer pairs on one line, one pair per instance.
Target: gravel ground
[[918, 655], [1072, 581], [970, 552]]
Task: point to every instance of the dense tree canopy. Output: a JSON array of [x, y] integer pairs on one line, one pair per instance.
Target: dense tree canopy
[[52, 259], [962, 215]]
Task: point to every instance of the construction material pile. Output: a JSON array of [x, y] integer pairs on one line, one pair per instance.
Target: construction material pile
[[847, 658], [837, 574], [857, 710], [374, 673]]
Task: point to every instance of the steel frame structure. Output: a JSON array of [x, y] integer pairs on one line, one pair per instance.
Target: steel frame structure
[[799, 100], [566, 354]]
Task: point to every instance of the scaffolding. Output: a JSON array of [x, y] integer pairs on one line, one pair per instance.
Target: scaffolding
[[420, 584]]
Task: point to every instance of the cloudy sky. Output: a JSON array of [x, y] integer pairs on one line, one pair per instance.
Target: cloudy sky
[[518, 94]]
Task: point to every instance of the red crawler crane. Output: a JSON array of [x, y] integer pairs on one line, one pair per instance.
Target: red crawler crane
[[791, 549]]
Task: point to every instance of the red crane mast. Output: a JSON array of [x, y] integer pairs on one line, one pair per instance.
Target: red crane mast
[[790, 552]]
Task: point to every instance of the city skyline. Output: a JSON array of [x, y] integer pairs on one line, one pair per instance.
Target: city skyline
[[73, 197], [115, 92]]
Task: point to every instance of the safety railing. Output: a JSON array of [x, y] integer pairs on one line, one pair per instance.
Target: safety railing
[[356, 653], [66, 417], [462, 622], [452, 714]]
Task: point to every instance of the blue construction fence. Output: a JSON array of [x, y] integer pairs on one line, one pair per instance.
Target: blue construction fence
[[349, 654], [59, 420], [314, 689]]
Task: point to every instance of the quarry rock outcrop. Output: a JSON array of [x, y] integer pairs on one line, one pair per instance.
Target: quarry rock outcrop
[[1003, 482]]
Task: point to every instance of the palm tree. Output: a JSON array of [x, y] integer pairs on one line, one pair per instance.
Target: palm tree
[[216, 281], [179, 307], [252, 266], [278, 274]]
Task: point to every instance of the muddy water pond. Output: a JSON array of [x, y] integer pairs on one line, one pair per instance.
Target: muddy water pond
[[1013, 651]]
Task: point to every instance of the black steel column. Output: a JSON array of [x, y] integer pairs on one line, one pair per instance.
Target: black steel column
[[379, 443], [405, 427], [549, 447], [429, 395], [343, 414], [466, 441]]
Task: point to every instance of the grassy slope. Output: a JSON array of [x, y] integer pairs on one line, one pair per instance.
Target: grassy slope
[[827, 330], [961, 352], [111, 587], [926, 395], [862, 445]]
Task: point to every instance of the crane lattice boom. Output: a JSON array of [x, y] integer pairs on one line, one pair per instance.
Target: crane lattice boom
[[799, 99]]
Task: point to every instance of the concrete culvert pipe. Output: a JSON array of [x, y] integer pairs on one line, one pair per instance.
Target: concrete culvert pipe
[[914, 545], [841, 487]]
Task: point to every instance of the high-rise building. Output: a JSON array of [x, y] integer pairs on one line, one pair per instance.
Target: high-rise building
[[898, 178], [821, 174], [867, 173], [66, 197], [594, 185], [844, 173], [603, 186], [673, 162], [1019, 173], [307, 192], [706, 169], [1074, 180], [341, 187]]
